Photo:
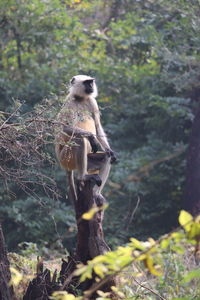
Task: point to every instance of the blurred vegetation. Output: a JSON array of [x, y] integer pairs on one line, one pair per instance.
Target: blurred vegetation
[[145, 58], [163, 269]]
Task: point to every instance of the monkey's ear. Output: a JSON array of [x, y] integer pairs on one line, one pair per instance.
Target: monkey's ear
[[72, 80]]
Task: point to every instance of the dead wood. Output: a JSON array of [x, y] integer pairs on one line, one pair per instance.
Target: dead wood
[[6, 291]]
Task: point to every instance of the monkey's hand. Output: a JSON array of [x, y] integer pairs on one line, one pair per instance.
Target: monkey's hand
[[112, 155], [93, 142]]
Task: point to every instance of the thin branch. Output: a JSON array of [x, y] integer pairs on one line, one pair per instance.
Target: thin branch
[[144, 171], [133, 213], [148, 289], [11, 115]]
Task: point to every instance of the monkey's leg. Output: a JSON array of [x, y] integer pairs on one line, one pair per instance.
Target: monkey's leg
[[81, 157], [103, 174], [81, 152]]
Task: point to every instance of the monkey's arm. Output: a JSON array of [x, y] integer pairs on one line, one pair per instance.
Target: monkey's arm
[[101, 136], [75, 131], [80, 133]]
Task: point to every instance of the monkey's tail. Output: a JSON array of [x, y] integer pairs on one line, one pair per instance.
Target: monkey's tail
[[72, 188]]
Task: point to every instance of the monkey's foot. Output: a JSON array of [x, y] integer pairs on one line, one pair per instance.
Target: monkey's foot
[[94, 178], [100, 200]]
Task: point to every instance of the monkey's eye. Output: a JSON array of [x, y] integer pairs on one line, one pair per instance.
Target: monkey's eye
[[89, 82]]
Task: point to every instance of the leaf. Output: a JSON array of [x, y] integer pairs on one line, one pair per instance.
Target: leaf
[[16, 276], [185, 220], [87, 274], [191, 275], [137, 244], [80, 270], [99, 259], [164, 243], [103, 294], [178, 249], [100, 270], [182, 298], [141, 257], [90, 214], [150, 266], [61, 295], [194, 231]]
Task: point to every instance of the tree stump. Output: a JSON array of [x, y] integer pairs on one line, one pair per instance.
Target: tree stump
[[90, 238], [6, 291], [90, 241]]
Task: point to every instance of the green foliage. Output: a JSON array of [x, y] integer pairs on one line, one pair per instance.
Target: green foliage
[[145, 57], [144, 270], [38, 220], [161, 258]]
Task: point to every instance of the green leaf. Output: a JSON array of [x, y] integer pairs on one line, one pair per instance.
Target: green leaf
[[194, 231], [191, 275], [137, 244], [182, 298], [164, 243], [178, 249]]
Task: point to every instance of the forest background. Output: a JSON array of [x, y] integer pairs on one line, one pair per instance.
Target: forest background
[[145, 56]]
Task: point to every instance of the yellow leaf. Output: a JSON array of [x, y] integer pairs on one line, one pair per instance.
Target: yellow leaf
[[103, 294], [100, 270], [150, 266], [86, 274], [152, 241], [164, 243], [98, 259], [80, 270], [16, 277], [116, 290], [185, 220], [137, 244], [142, 257], [90, 214], [62, 296]]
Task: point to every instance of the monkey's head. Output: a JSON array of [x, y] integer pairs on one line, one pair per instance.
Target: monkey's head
[[82, 86]]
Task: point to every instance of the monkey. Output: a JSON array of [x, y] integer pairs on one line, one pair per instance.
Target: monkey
[[81, 134]]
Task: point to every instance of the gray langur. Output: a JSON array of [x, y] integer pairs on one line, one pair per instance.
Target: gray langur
[[82, 133]]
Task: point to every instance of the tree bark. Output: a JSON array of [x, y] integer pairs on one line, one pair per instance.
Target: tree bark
[[90, 242], [192, 190], [6, 291]]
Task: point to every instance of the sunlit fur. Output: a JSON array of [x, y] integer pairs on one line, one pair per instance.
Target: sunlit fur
[[77, 87]]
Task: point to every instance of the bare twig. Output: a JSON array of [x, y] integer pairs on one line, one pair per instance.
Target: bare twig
[[133, 213], [148, 289], [11, 115]]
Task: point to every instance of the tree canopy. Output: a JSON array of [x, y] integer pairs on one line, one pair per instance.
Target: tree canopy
[[145, 58]]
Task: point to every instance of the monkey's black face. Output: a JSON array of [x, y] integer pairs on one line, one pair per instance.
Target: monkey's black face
[[89, 86]]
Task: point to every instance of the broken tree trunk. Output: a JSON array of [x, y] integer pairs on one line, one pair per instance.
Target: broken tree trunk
[[90, 238], [90, 241], [6, 291]]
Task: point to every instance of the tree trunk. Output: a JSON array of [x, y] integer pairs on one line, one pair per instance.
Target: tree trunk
[[6, 291], [90, 243], [192, 191]]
